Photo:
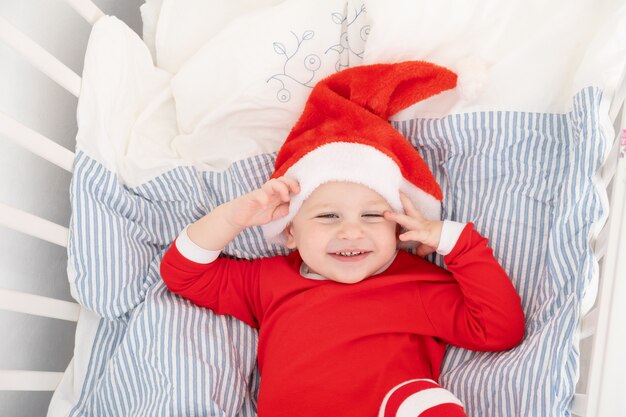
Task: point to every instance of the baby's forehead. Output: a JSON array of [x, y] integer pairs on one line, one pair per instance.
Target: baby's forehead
[[344, 193]]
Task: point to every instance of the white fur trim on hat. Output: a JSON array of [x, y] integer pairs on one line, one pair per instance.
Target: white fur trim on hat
[[350, 162]]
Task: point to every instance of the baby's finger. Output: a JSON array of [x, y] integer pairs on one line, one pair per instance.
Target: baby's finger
[[275, 189], [410, 235], [282, 189], [402, 219], [280, 211], [291, 183], [409, 207]]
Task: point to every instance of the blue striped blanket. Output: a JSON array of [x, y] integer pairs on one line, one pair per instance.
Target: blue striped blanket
[[524, 179]]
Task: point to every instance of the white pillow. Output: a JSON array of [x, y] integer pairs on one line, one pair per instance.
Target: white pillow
[[241, 93], [126, 116], [150, 11], [535, 55], [185, 25]]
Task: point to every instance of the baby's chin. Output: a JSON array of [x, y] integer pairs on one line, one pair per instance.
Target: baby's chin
[[348, 279]]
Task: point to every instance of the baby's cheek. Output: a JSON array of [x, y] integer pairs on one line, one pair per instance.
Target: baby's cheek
[[392, 229], [387, 237]]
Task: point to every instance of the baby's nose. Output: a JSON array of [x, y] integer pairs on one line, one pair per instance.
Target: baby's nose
[[350, 230]]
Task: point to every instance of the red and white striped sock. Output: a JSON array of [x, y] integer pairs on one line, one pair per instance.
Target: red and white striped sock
[[423, 398]]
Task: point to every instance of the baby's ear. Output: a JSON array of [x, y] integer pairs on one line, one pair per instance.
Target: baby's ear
[[290, 241]]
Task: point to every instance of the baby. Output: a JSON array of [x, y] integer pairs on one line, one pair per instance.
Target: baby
[[349, 324]]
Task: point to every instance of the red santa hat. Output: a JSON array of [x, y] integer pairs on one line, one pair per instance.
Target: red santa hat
[[343, 135]]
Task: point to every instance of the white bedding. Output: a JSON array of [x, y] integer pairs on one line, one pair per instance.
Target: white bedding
[[176, 29], [511, 55], [536, 54], [210, 101]]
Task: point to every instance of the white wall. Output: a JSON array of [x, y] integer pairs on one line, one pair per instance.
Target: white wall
[[36, 186]]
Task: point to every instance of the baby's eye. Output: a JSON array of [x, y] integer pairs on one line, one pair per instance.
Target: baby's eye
[[327, 216], [373, 215]]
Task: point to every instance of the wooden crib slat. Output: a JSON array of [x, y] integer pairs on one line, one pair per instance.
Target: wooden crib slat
[[39, 57], [589, 324], [37, 305], [36, 143], [87, 9], [32, 225], [579, 405], [29, 380]]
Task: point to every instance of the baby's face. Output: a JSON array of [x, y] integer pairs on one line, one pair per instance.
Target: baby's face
[[341, 233]]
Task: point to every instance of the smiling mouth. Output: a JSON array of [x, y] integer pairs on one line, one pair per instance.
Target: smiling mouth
[[349, 256], [350, 253]]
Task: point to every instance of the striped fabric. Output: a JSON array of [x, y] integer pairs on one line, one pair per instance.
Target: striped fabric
[[524, 179]]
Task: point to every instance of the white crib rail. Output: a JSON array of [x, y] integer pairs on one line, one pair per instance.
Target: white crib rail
[[36, 305], [87, 9], [43, 60], [29, 380], [36, 143], [16, 219], [606, 380], [32, 225]]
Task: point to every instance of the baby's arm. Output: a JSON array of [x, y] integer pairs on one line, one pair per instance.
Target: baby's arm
[[480, 310], [192, 269], [215, 230]]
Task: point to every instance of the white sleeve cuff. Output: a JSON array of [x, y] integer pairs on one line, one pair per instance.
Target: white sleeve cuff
[[193, 252], [450, 233]]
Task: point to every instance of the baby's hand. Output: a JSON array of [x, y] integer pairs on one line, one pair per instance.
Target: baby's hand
[[418, 228], [264, 204]]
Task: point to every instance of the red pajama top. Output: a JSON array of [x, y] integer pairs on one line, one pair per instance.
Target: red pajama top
[[332, 349]]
